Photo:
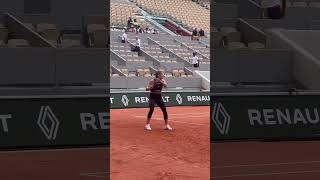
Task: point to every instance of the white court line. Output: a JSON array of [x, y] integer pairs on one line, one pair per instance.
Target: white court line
[[266, 174], [184, 114], [97, 174], [173, 119], [266, 164], [52, 150], [199, 124], [160, 116]]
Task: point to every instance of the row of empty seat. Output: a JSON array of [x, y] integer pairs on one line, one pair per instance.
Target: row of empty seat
[[182, 51], [120, 12], [14, 43], [156, 52], [97, 34], [145, 72], [204, 3], [124, 50], [7, 41], [198, 47], [187, 12], [231, 38]]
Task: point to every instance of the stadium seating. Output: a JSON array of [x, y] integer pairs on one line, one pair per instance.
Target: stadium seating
[[155, 55], [3, 33], [161, 51], [181, 51], [48, 31], [187, 12], [120, 12], [18, 43], [232, 38], [204, 3], [10, 39]]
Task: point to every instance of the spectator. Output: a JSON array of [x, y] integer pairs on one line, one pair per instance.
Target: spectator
[[178, 30], [141, 30], [124, 38], [201, 33], [129, 23], [137, 45], [275, 8], [155, 31], [195, 60], [194, 34]]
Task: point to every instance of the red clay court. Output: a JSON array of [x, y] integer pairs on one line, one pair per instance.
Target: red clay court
[[291, 160], [183, 153]]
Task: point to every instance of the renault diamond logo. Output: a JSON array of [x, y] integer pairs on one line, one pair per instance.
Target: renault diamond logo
[[221, 118], [179, 99], [125, 100], [47, 114]]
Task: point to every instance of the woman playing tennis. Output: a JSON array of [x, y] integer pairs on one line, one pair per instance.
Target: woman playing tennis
[[155, 87]]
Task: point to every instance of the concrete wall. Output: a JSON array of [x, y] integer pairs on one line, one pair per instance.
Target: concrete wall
[[142, 82], [306, 66], [264, 24], [48, 66], [38, 91], [61, 10], [205, 76], [302, 13], [251, 33], [249, 9], [81, 66], [269, 66], [309, 40], [23, 66], [221, 10], [13, 6], [220, 22]]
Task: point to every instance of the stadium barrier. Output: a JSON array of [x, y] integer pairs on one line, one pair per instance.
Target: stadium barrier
[[140, 99], [276, 117], [53, 121]]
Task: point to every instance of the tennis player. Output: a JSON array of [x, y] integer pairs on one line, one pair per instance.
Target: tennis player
[[155, 87]]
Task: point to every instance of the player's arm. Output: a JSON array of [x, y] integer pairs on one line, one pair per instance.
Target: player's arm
[[164, 83], [150, 86]]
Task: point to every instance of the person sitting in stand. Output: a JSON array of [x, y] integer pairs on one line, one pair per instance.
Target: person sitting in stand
[[124, 38], [201, 33], [129, 24], [155, 31], [195, 60], [194, 34], [137, 45]]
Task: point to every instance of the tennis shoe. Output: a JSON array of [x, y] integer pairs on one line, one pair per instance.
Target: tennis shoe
[[168, 127], [148, 127]]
